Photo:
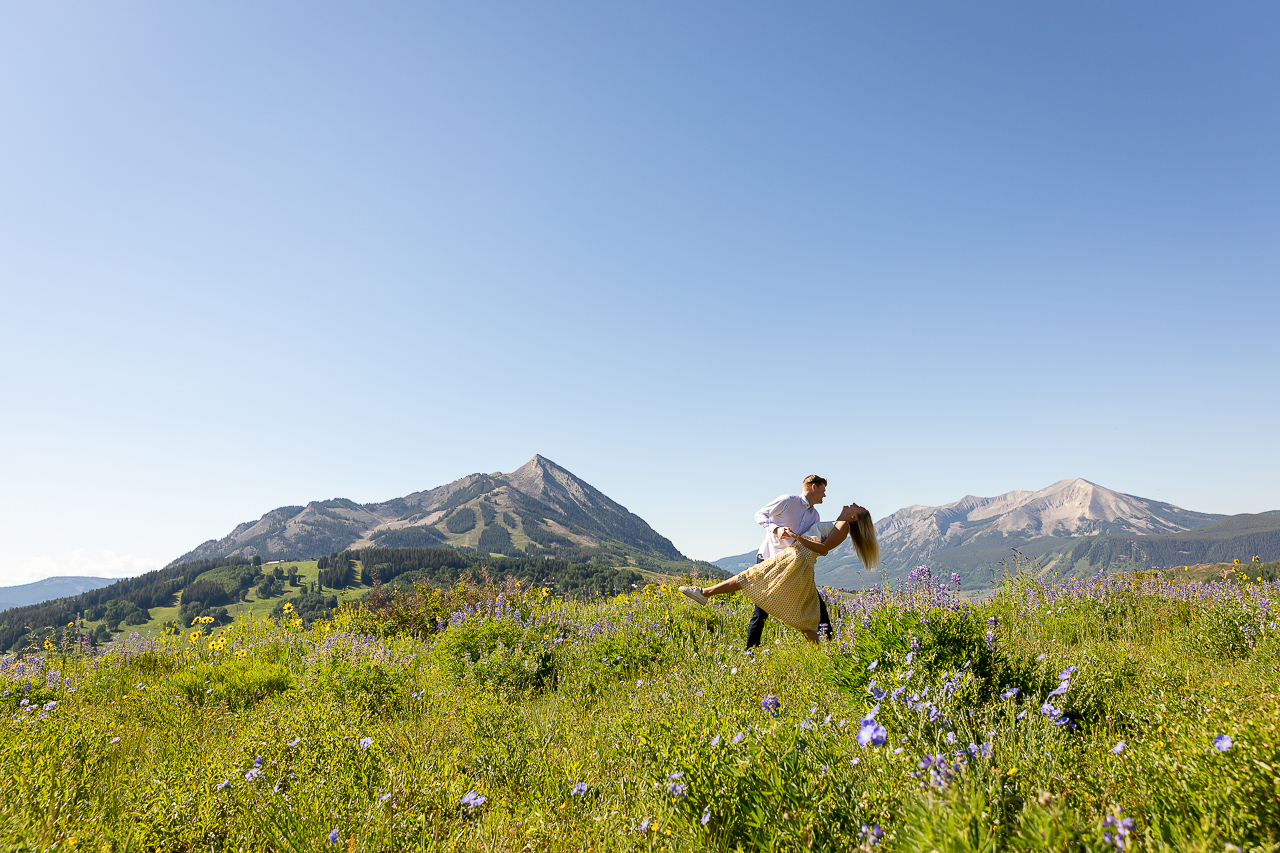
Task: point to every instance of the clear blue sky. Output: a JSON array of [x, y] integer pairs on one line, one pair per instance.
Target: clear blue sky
[[259, 254]]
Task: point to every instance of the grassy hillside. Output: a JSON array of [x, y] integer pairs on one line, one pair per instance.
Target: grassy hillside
[[253, 606], [235, 591], [1050, 717]]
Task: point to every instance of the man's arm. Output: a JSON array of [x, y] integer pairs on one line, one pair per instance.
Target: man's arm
[[767, 516]]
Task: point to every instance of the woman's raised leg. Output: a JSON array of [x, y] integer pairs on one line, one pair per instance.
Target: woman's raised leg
[[723, 588]]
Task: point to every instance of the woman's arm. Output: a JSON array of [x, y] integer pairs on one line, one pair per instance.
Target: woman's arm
[[834, 538]]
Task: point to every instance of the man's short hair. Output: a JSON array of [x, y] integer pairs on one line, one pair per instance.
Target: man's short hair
[[815, 480]]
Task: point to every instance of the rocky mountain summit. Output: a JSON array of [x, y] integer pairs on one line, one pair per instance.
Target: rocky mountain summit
[[540, 508], [972, 535], [1067, 508]]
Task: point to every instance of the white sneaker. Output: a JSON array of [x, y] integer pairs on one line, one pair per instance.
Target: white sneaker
[[695, 593]]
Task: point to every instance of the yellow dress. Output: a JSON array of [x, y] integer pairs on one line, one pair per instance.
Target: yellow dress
[[783, 587]]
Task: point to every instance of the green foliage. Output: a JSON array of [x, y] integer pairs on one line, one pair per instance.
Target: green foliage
[[461, 520], [498, 656], [1230, 631], [270, 587], [235, 579], [308, 606], [495, 540], [338, 573], [410, 537], [121, 611], [235, 683], [538, 532]]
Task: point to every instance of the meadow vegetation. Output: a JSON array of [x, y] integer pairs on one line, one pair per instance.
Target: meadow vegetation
[[1121, 712]]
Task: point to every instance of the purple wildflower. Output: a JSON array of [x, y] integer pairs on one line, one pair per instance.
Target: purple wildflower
[[1118, 748], [1222, 743], [771, 705], [333, 836], [578, 790], [706, 816], [1120, 828], [871, 734]]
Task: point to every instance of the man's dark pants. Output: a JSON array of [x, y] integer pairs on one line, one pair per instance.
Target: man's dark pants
[[755, 628]]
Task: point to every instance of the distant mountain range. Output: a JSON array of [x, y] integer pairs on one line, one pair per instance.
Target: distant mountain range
[[538, 509], [1073, 526], [48, 589]]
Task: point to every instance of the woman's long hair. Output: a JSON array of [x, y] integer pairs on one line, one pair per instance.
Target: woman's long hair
[[863, 533]]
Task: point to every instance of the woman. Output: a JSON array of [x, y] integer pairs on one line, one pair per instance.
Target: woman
[[783, 585]]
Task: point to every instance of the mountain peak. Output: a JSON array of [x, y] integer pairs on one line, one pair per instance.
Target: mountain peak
[[978, 530], [540, 508]]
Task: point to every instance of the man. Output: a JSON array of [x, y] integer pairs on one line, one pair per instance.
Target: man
[[788, 514]]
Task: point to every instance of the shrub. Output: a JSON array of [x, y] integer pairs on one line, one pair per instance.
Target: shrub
[[237, 683]]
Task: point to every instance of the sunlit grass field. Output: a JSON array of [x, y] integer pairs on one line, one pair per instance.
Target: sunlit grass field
[[1092, 715]]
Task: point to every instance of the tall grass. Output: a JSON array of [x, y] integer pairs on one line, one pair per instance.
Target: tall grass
[[494, 719]]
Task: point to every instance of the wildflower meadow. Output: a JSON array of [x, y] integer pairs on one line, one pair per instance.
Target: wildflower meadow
[[1107, 713]]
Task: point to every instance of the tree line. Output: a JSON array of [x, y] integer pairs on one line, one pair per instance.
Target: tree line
[[128, 600], [446, 566]]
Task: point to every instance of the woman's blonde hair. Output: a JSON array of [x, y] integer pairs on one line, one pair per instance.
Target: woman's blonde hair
[[863, 533]]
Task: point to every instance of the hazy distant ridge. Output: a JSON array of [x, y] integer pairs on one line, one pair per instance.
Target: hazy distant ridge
[[48, 589]]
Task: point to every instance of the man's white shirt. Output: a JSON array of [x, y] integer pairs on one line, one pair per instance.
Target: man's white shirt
[[791, 511]]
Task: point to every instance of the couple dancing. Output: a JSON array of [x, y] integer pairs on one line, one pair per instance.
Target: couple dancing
[[781, 582]]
